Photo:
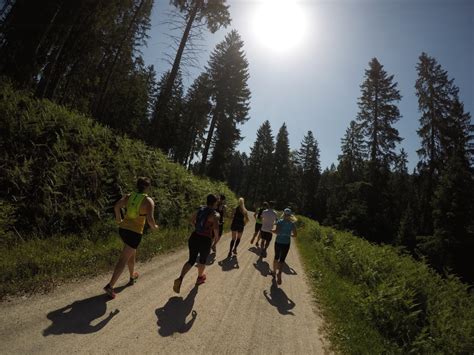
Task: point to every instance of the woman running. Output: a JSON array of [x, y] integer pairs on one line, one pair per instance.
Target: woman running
[[285, 229], [221, 207], [140, 209], [206, 222], [239, 220], [258, 222]]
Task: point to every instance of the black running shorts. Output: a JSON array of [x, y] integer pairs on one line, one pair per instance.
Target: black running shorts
[[237, 228], [266, 235], [281, 251], [132, 239], [258, 226], [199, 245]]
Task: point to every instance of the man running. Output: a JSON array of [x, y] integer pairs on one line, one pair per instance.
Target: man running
[[269, 217], [285, 229], [140, 209], [258, 222], [221, 207], [206, 222]]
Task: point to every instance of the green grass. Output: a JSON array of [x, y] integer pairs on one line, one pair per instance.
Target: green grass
[[377, 300], [38, 265]]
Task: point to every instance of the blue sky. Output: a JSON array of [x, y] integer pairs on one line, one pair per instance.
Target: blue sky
[[315, 86]]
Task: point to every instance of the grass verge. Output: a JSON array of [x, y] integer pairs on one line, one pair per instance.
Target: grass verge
[[377, 300]]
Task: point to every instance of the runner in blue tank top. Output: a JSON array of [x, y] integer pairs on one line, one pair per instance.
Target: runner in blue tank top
[[285, 230]]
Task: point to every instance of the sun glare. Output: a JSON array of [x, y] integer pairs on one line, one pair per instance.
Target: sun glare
[[280, 25]]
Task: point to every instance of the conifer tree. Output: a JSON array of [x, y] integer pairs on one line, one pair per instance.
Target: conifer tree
[[353, 155], [260, 170], [309, 162], [282, 167], [228, 73], [378, 113]]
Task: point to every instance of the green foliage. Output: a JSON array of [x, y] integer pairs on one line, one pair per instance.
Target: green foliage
[[62, 172], [380, 301]]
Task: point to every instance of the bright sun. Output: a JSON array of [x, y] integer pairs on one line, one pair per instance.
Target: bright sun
[[280, 25]]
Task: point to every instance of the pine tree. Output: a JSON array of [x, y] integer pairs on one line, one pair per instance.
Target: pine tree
[[260, 165], [308, 160], [282, 168], [228, 73]]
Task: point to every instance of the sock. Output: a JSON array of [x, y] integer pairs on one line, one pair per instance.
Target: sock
[[237, 242], [232, 244]]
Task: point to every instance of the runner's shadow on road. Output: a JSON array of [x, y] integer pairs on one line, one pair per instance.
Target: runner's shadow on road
[[288, 270], [278, 299], [255, 250], [229, 264], [211, 259], [78, 317], [262, 266], [172, 316]]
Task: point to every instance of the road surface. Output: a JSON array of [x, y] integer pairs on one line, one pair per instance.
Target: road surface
[[239, 310]]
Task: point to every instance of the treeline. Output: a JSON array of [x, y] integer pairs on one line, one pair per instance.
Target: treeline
[[430, 211]]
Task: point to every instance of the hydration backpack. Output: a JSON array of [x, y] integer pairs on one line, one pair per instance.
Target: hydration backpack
[[201, 219], [133, 205]]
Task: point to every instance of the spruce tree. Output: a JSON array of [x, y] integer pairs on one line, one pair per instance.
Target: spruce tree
[[378, 113], [260, 170], [351, 161], [436, 94], [309, 162], [282, 168], [165, 124], [228, 73]]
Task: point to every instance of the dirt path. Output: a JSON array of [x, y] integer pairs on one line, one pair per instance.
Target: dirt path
[[237, 311]]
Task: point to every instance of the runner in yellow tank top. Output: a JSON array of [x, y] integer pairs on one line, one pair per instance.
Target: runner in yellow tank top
[[140, 209]]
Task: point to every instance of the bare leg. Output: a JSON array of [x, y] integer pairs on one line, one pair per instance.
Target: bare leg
[[201, 268], [275, 267], [185, 269], [131, 263], [126, 253]]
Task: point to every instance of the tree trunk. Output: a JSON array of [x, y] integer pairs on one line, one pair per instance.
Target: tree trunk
[[164, 96], [106, 84], [210, 134]]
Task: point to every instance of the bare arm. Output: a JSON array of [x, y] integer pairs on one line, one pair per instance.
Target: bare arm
[[118, 205], [215, 225], [192, 219], [150, 216]]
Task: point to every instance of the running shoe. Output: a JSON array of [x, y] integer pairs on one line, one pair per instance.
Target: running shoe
[[235, 251], [213, 248], [201, 279], [177, 285], [133, 278], [109, 290]]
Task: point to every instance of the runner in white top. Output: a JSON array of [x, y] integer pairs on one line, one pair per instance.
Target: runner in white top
[[269, 218]]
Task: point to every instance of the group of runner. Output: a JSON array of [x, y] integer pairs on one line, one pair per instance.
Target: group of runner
[[208, 223]]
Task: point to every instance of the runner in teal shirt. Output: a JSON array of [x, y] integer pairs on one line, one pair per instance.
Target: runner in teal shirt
[[285, 229]]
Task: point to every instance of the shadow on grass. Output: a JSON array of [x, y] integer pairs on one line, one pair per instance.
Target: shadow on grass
[[255, 250], [171, 318], [211, 259], [77, 317], [278, 299]]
